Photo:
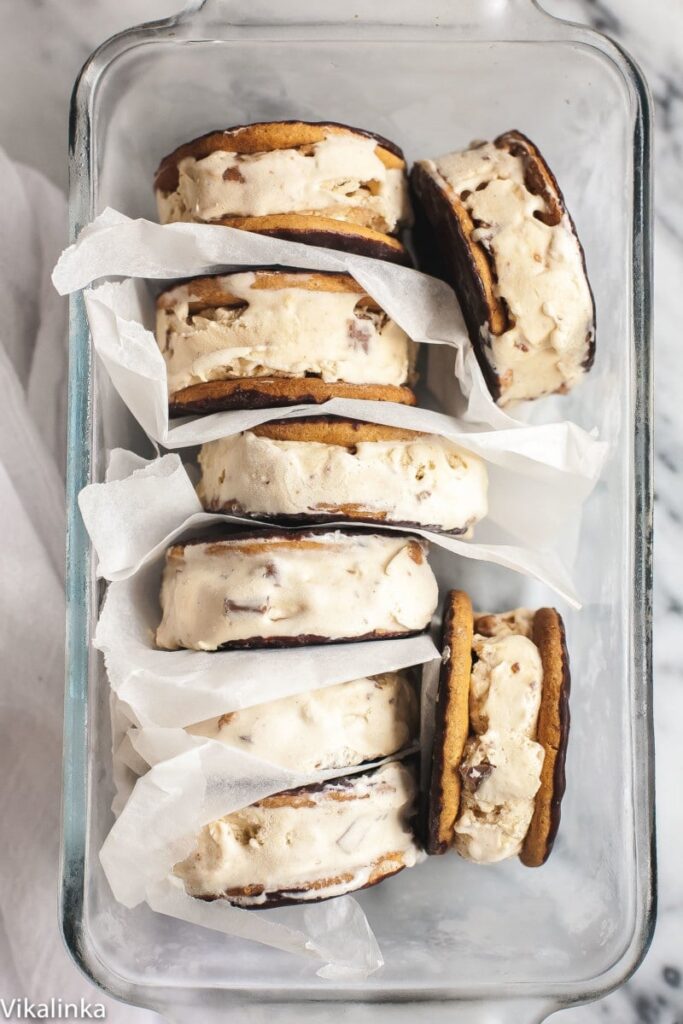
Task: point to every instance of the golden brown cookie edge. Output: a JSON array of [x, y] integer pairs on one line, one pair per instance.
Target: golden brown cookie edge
[[271, 392], [552, 734], [209, 290], [263, 137], [451, 723], [332, 430]]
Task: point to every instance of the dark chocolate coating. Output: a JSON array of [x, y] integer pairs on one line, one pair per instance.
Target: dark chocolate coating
[[241, 398], [311, 640], [252, 396], [278, 899], [223, 532], [358, 244], [447, 242], [302, 518]]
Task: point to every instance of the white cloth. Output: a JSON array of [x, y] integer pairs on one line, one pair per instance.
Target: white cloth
[[34, 963]]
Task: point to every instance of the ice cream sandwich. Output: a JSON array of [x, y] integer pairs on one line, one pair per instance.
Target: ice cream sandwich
[[509, 248], [286, 589], [308, 844], [335, 727], [500, 739], [312, 470], [279, 337], [318, 183]]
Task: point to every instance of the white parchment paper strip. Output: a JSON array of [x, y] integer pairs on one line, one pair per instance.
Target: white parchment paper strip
[[533, 514], [336, 933], [113, 245], [127, 763]]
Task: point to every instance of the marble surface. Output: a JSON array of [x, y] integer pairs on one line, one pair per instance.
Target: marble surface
[[53, 39]]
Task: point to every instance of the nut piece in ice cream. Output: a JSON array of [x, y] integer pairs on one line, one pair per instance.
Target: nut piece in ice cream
[[333, 469], [322, 184], [275, 337], [501, 729], [308, 844], [277, 589], [510, 249]]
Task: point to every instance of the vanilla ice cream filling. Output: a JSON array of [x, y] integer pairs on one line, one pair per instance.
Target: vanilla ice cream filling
[[427, 481], [330, 586], [340, 177], [539, 273], [281, 332], [337, 838], [335, 727], [502, 762]]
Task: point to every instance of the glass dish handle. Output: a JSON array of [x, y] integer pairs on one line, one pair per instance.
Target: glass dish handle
[[478, 15]]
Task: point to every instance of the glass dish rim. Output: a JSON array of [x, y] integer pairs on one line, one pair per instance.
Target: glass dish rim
[[81, 585]]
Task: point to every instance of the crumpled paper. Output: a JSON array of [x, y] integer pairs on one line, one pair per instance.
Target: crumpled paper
[[531, 527], [114, 245], [127, 763], [200, 782]]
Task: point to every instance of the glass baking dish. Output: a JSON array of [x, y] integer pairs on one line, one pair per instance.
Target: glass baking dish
[[503, 943]]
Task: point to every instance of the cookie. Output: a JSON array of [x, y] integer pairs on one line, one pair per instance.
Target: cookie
[[268, 337], [509, 248], [552, 734], [321, 184], [273, 588], [325, 232], [451, 722], [498, 778], [326, 469], [308, 844], [333, 430], [271, 392]]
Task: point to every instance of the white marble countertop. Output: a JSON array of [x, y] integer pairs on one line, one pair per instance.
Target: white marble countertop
[[54, 39]]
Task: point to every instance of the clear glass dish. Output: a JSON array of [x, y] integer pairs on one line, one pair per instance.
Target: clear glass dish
[[503, 943]]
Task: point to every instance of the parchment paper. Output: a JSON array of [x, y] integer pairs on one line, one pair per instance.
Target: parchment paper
[[534, 513], [114, 245]]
